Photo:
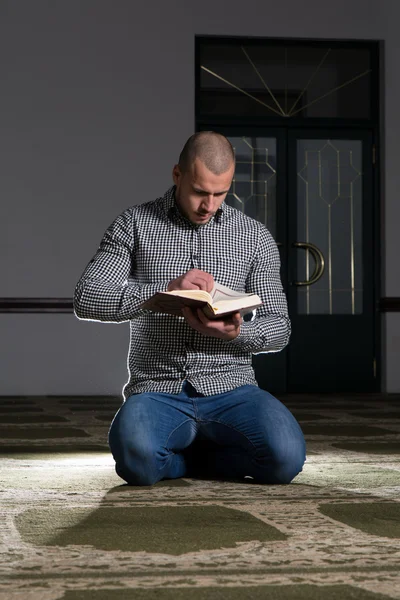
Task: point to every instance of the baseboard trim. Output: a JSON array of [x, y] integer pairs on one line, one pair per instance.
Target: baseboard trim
[[65, 305], [391, 304], [36, 305]]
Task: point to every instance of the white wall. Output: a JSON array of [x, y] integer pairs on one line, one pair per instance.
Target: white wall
[[97, 99]]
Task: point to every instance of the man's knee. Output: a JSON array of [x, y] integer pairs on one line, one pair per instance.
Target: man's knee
[[136, 476], [285, 447], [137, 465], [281, 473], [283, 464], [134, 453]]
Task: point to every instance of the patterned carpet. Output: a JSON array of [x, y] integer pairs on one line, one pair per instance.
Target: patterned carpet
[[71, 530]]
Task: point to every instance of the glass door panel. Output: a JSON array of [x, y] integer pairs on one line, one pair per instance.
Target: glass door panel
[[258, 177], [329, 216], [253, 188]]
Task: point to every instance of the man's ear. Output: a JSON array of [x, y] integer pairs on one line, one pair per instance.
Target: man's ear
[[176, 174]]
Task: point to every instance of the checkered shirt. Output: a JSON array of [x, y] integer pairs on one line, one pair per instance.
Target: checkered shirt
[[141, 252]]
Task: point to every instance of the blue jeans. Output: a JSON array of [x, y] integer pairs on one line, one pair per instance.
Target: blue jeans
[[245, 432]]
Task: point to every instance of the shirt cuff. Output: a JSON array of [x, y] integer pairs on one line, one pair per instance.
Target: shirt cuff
[[136, 294], [247, 340]]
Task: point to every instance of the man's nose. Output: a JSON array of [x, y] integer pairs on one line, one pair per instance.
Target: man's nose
[[208, 202]]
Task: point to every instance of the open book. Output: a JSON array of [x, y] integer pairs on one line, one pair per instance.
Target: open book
[[220, 302]]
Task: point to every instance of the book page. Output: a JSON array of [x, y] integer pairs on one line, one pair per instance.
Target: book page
[[221, 292], [238, 304], [196, 294]]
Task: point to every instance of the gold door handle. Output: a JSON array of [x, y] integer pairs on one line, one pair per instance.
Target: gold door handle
[[319, 262]]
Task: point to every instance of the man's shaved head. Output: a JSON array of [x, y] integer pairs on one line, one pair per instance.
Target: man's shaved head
[[203, 176], [213, 149]]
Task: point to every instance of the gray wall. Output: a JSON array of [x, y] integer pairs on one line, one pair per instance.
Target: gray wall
[[97, 98]]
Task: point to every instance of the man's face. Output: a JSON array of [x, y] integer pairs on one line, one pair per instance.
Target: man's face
[[199, 192]]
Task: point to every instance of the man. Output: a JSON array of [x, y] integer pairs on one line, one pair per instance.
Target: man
[[192, 405]]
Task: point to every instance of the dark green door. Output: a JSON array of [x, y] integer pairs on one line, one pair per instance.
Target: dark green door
[[313, 189]]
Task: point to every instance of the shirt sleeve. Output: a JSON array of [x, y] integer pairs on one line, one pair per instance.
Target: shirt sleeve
[[105, 291], [270, 330]]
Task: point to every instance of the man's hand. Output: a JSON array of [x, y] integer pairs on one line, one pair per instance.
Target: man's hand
[[192, 280], [224, 329]]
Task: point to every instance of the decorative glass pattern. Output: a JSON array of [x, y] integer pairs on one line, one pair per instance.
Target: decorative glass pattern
[[253, 188], [261, 78], [329, 215]]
